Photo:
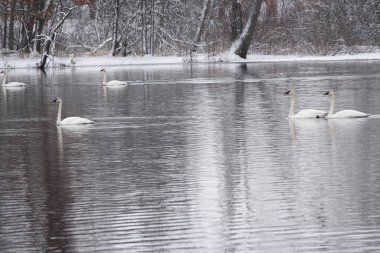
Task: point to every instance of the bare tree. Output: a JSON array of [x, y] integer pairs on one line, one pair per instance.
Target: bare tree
[[116, 6], [50, 40], [236, 19], [152, 28], [205, 10], [11, 35], [170, 27], [5, 30], [241, 45], [44, 13]]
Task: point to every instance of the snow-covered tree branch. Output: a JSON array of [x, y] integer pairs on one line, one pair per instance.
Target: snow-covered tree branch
[[173, 27]]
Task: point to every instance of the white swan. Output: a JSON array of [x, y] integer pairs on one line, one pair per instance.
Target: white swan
[[113, 82], [344, 113], [11, 84], [304, 114], [69, 120]]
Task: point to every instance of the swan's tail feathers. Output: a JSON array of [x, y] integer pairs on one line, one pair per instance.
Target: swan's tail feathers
[[86, 121], [322, 116]]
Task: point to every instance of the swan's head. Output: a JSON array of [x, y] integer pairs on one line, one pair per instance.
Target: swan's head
[[57, 100], [290, 92], [2, 72], [103, 70], [329, 93]]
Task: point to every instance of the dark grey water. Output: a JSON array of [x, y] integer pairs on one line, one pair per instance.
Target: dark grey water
[[191, 159]]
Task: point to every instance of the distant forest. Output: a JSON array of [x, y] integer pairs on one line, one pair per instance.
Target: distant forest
[[181, 27]]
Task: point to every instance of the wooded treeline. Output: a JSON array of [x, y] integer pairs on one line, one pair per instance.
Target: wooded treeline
[[178, 27]]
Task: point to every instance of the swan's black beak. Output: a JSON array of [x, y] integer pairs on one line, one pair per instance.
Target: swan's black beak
[[327, 93], [287, 93], [55, 100]]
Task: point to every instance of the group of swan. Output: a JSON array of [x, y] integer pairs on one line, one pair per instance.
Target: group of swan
[[303, 114], [312, 113], [79, 120], [69, 120], [18, 84]]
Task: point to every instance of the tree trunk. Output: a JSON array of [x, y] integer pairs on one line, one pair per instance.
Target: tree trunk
[[24, 40], [115, 26], [143, 35], [206, 4], [40, 27], [5, 31], [93, 9], [43, 10], [146, 28], [36, 41], [11, 32], [271, 10], [241, 45], [236, 19], [152, 32], [165, 5]]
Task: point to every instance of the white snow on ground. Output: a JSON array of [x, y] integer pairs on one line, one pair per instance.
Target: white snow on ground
[[88, 61]]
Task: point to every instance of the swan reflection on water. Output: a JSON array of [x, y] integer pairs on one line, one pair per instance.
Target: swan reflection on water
[[345, 126], [77, 132], [61, 158], [16, 89], [112, 88], [12, 89], [307, 128], [310, 129]]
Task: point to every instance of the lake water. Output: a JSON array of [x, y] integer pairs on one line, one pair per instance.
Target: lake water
[[188, 158]]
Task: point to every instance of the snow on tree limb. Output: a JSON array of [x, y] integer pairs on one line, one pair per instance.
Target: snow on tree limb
[[241, 45], [101, 45], [47, 49], [174, 27]]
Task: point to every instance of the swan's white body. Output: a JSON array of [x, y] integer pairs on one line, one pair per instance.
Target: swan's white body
[[303, 114], [69, 120], [113, 82], [11, 84], [344, 114]]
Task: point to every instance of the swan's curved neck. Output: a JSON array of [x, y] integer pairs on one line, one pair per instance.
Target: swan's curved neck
[[59, 116], [332, 102], [104, 78], [5, 77], [292, 105]]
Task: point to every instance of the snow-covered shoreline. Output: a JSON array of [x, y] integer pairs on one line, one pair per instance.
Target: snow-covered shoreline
[[89, 61]]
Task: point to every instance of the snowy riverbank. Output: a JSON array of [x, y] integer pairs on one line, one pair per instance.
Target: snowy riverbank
[[88, 61]]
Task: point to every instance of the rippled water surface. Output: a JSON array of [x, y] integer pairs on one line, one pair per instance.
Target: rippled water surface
[[191, 159]]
